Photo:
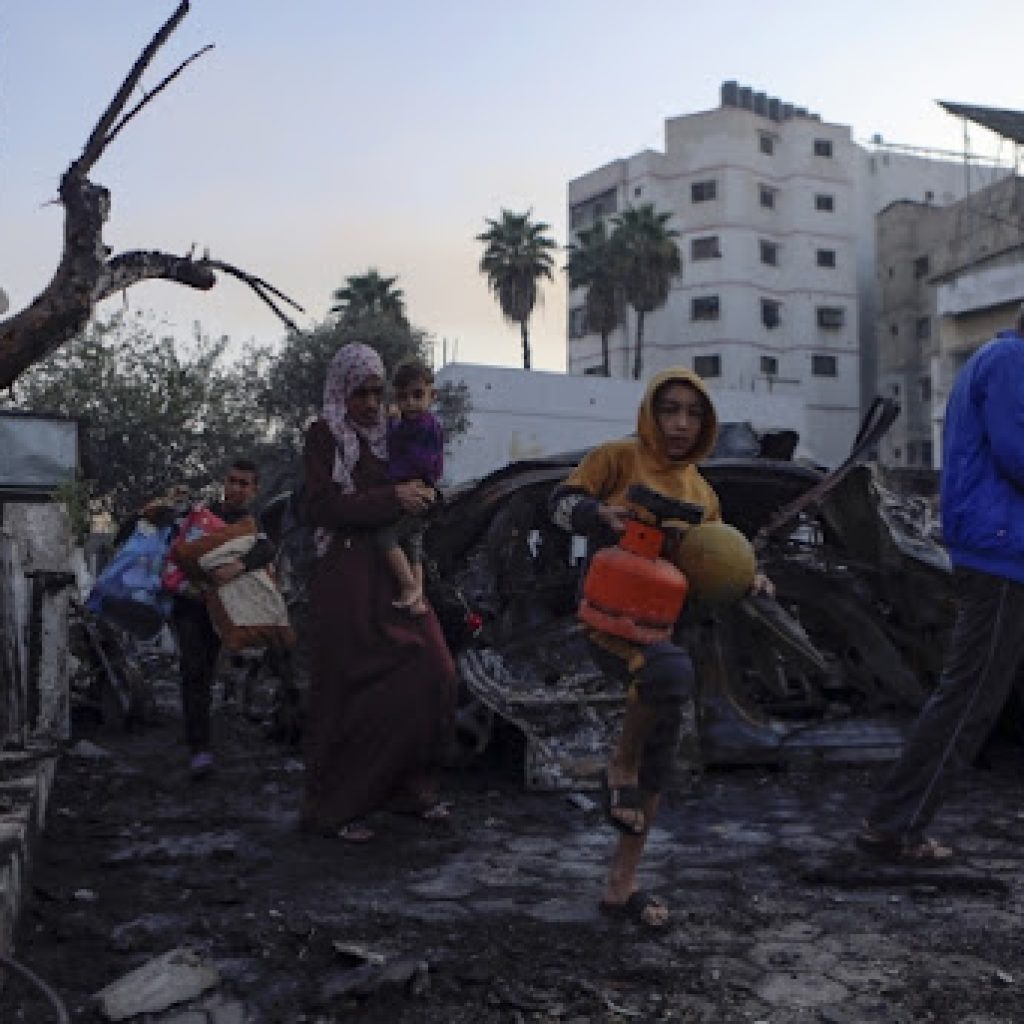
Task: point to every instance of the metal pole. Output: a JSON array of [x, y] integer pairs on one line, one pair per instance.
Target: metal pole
[[967, 164]]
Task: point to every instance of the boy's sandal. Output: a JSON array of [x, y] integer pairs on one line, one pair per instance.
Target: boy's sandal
[[637, 909], [623, 798], [927, 851], [896, 849]]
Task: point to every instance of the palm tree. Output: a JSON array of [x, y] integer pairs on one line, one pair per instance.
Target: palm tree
[[369, 294], [592, 265], [516, 256], [648, 260]]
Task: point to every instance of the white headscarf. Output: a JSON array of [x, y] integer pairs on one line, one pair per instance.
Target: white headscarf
[[352, 366]]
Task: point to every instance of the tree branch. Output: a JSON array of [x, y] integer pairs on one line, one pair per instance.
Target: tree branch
[[98, 139], [228, 268], [152, 93], [86, 275], [128, 268], [260, 287]]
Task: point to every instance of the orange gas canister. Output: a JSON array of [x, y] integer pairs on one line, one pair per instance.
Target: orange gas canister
[[630, 590]]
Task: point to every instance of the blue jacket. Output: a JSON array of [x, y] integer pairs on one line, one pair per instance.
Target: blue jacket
[[983, 461]]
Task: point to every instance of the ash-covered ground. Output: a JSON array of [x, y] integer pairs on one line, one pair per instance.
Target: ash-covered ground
[[493, 915]]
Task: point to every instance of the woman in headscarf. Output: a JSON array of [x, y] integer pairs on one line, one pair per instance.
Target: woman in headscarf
[[382, 694]]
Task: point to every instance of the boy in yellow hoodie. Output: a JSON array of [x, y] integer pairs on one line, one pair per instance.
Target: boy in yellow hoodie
[[676, 428]]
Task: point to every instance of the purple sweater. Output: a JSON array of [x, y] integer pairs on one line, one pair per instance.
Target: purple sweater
[[416, 449]]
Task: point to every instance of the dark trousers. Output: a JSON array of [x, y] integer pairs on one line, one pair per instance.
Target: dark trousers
[[985, 650], [198, 647], [663, 681]]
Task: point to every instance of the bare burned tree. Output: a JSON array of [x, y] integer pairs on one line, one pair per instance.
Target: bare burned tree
[[87, 272]]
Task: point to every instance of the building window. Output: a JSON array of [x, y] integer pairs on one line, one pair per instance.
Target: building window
[[911, 453], [822, 147], [824, 202], [766, 194], [704, 307], [925, 387], [826, 257], [894, 330], [897, 454], [637, 192], [926, 454], [830, 318], [703, 191], [705, 248], [923, 328], [590, 211], [920, 267], [766, 143], [824, 366], [707, 366], [769, 366], [769, 253], [577, 322], [770, 311]]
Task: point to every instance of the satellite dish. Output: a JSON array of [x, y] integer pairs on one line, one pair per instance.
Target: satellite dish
[[4, 302]]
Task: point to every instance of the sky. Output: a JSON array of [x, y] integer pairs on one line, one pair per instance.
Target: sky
[[320, 138]]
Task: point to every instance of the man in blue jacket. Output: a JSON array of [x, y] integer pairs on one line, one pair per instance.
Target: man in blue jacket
[[983, 526]]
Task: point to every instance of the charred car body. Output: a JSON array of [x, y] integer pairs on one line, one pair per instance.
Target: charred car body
[[852, 642]]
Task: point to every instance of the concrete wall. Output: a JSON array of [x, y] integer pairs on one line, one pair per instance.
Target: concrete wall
[[34, 686], [15, 613], [887, 176], [524, 414], [35, 563], [974, 282]]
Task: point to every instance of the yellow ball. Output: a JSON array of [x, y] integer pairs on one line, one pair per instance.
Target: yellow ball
[[718, 563]]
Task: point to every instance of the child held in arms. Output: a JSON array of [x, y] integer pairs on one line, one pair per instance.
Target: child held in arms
[[415, 452]]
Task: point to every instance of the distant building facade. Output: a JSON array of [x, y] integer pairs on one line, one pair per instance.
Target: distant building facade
[[775, 212], [949, 278]]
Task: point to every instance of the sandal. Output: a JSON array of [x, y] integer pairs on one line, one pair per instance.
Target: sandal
[[623, 798], [925, 852], [354, 832], [637, 908], [441, 811], [351, 832]]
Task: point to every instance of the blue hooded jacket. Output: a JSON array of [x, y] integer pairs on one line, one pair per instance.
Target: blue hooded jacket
[[983, 461]]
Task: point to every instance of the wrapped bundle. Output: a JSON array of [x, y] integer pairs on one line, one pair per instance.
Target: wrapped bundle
[[249, 611]]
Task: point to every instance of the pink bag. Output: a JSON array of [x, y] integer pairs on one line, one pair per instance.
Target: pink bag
[[198, 523]]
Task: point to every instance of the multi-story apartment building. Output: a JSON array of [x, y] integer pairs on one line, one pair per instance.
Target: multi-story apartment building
[[949, 278], [775, 212]]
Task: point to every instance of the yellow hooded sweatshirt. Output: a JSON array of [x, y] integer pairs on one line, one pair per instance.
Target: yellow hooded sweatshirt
[[607, 472]]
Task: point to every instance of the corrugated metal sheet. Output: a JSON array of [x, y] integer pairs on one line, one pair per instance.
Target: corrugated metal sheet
[[1007, 123]]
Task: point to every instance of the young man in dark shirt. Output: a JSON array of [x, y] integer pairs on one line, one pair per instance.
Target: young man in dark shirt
[[198, 643]]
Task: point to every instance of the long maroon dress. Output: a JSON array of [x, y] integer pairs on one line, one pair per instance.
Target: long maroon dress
[[382, 692]]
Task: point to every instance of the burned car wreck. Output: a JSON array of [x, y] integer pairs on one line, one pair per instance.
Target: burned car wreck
[[850, 645]]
